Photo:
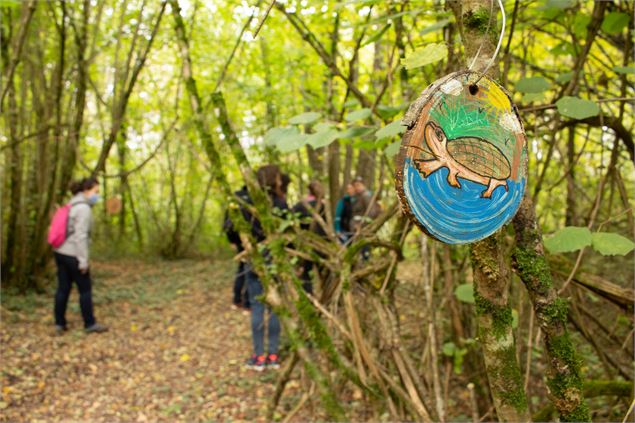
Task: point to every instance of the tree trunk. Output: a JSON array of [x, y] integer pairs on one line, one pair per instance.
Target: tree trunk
[[491, 272], [564, 381]]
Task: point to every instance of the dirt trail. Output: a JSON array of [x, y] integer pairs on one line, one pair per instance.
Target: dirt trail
[[174, 351]]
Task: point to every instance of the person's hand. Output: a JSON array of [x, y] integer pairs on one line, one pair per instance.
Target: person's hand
[[83, 270]]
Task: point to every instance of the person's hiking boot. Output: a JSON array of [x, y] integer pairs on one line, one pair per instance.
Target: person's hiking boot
[[273, 362], [256, 362], [59, 330], [96, 328]]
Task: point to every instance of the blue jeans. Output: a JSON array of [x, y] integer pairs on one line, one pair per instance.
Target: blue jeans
[[254, 289]]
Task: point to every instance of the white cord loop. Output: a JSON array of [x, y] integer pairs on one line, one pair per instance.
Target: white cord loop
[[500, 42]]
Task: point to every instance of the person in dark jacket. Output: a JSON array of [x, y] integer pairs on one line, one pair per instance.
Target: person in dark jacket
[[72, 257], [344, 215], [314, 202], [270, 180]]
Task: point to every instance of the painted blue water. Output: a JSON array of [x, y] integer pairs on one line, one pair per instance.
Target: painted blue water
[[459, 216]]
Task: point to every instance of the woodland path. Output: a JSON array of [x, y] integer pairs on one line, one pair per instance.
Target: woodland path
[[174, 351]]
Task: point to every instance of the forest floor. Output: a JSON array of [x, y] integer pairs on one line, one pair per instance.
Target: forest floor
[[175, 350]]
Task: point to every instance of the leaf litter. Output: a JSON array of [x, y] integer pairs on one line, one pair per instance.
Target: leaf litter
[[175, 350]]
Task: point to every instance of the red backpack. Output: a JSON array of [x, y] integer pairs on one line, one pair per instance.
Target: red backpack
[[58, 231]]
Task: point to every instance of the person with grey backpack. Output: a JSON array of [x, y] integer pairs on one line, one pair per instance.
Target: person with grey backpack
[[69, 236]]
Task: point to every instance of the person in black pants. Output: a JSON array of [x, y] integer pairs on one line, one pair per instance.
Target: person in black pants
[[72, 257], [314, 202], [240, 298]]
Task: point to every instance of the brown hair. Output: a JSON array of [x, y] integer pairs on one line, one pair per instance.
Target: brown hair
[[316, 189], [270, 179], [83, 184]]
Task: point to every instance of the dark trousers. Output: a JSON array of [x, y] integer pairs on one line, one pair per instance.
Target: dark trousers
[[240, 286], [67, 272], [307, 283]]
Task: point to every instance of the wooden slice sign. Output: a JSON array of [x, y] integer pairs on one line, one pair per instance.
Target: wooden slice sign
[[461, 171]]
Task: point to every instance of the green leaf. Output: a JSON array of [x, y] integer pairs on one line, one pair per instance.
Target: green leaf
[[365, 145], [529, 97], [563, 49], [357, 131], [465, 293], [448, 349], [610, 244], [564, 77], [624, 69], [577, 108], [580, 23], [13, 4], [376, 36], [389, 112], [353, 102], [360, 114], [390, 130], [322, 139], [304, 118], [285, 139], [514, 318], [436, 26], [323, 126], [615, 22], [424, 56], [392, 149], [275, 135], [568, 239], [560, 4], [292, 144], [532, 85]]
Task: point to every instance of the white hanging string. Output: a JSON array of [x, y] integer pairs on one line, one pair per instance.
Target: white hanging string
[[500, 41]]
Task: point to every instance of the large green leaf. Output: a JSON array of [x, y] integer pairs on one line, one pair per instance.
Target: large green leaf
[[323, 126], [304, 118], [615, 22], [360, 114], [357, 131], [577, 108], [532, 85], [275, 135], [323, 138], [431, 53], [465, 293], [292, 144], [568, 239], [610, 244], [390, 130], [285, 139], [624, 69], [392, 149]]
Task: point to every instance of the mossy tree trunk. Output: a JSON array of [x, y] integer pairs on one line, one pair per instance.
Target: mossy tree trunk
[[491, 272], [564, 381]]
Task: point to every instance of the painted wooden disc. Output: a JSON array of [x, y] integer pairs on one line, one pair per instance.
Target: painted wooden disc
[[461, 171]]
